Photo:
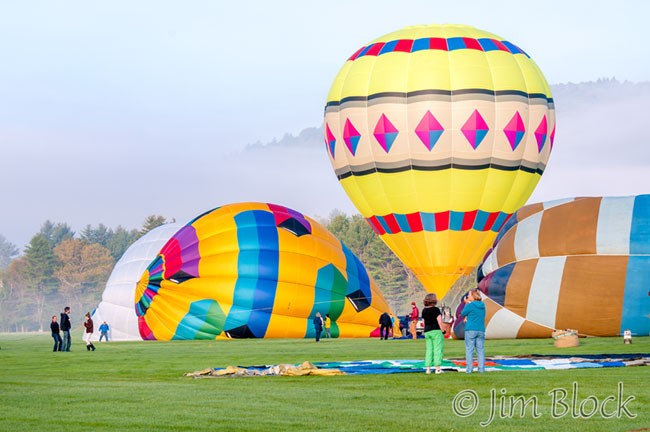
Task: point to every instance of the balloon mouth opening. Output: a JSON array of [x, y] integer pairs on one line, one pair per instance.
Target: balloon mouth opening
[[146, 290]]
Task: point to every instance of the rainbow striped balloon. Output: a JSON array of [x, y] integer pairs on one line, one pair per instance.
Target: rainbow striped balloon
[[254, 270], [438, 134]]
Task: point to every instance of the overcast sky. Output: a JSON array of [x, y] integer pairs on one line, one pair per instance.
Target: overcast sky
[[111, 111]]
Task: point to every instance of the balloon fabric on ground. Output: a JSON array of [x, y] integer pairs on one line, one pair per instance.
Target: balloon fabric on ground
[[579, 263], [254, 270], [384, 367], [438, 134]]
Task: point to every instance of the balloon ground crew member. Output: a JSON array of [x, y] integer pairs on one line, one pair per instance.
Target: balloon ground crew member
[[415, 315]]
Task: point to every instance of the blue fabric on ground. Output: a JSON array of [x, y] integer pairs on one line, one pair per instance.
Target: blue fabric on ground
[[515, 362], [533, 362]]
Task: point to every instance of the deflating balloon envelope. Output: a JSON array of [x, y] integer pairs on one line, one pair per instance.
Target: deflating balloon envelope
[[116, 307], [580, 263], [254, 270]]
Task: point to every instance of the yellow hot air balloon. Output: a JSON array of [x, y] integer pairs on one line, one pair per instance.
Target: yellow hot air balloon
[[438, 134]]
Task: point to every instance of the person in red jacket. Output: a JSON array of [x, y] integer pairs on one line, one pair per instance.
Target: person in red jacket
[[88, 324], [415, 315]]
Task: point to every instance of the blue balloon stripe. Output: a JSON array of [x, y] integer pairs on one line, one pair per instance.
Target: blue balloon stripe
[[640, 234], [322, 298], [258, 268], [636, 301], [357, 275], [499, 284]]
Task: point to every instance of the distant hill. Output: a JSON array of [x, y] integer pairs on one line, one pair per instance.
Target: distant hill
[[310, 137], [604, 90], [598, 103]]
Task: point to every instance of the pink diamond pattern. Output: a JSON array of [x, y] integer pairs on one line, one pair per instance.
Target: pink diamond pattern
[[429, 130], [475, 129], [330, 140], [351, 136], [553, 137], [540, 134], [385, 133], [515, 130]]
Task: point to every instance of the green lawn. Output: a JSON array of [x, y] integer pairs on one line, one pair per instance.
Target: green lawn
[[139, 386]]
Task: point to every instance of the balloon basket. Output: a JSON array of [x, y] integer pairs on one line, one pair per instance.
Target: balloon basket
[[566, 338]]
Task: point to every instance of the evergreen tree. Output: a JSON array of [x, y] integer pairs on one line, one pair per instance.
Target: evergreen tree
[[8, 250], [117, 242], [388, 272], [41, 264], [151, 222], [56, 233], [100, 235], [360, 237], [338, 224], [120, 241]]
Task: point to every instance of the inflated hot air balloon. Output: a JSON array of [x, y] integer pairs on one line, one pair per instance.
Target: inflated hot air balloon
[[116, 307], [438, 134], [254, 270], [582, 263]]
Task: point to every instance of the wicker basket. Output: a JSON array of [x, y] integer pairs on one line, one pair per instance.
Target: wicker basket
[[566, 338]]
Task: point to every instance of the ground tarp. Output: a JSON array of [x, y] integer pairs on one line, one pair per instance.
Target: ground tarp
[[305, 368], [492, 364]]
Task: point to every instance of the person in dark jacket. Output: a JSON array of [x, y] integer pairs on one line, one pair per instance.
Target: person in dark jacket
[[385, 323], [66, 325], [90, 328], [318, 325], [56, 334]]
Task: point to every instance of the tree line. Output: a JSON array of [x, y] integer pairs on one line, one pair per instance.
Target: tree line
[[62, 268]]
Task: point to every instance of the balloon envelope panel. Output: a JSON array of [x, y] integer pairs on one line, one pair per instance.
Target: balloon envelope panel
[[438, 134], [116, 307], [583, 264], [254, 270]]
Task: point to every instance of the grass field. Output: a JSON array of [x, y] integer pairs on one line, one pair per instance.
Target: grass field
[[139, 386]]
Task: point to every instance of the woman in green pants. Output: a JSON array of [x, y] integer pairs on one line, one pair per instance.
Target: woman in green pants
[[433, 334]]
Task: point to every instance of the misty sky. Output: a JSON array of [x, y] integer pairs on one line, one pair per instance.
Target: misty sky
[[113, 111]]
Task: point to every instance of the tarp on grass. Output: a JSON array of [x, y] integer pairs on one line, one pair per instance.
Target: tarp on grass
[[492, 364]]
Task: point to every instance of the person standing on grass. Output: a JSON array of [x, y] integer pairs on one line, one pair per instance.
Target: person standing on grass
[[318, 325], [474, 314], [433, 333], [56, 334], [385, 324], [65, 325], [397, 326], [103, 330], [415, 315], [88, 324], [328, 324]]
